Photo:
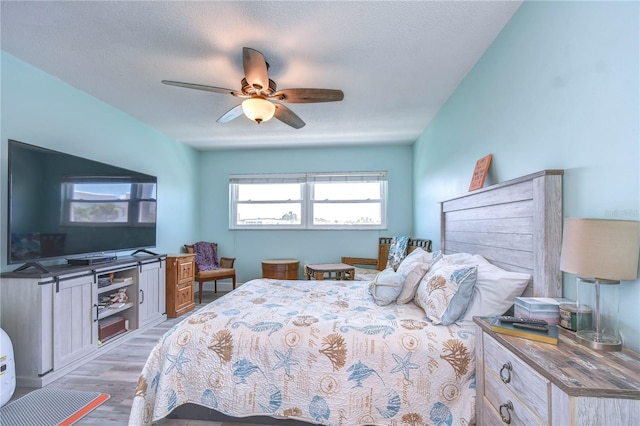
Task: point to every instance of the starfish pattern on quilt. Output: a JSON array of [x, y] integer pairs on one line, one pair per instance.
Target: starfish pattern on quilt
[[176, 361], [285, 361], [404, 364]]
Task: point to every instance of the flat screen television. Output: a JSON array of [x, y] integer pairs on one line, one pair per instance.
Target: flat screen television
[[63, 206]]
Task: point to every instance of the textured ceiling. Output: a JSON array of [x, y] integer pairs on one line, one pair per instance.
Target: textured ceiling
[[396, 62]]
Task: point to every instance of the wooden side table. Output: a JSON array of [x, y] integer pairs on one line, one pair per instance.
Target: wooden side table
[[330, 271], [280, 269]]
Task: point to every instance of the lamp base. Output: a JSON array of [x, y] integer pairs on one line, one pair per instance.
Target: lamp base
[[598, 341]]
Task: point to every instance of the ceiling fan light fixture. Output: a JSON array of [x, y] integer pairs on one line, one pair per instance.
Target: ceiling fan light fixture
[[261, 90], [258, 109]]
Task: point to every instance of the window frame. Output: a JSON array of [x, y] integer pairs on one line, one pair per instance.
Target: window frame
[[307, 202]]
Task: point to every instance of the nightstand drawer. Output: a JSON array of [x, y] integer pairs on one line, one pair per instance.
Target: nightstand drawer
[[505, 403], [506, 374]]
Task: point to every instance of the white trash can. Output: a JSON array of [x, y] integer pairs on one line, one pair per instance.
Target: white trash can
[[7, 369]]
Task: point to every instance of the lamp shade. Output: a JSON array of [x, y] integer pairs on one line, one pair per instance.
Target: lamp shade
[[258, 109], [599, 248]]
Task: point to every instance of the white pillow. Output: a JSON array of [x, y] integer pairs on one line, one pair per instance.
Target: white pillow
[[446, 291], [412, 269], [495, 289], [386, 287], [459, 258]]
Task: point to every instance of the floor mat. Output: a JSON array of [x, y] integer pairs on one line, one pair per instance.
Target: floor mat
[[50, 406]]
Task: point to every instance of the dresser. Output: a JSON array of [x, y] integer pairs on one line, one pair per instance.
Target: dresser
[[524, 382], [180, 279]]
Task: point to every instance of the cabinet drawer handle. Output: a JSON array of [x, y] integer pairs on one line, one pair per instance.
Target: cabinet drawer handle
[[505, 372], [508, 406]]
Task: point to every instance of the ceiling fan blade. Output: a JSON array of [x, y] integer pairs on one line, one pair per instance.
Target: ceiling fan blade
[[234, 112], [308, 95], [203, 87], [255, 68], [287, 116]]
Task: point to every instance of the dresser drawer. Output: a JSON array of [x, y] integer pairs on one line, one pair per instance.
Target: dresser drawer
[[509, 378], [185, 270], [489, 416], [564, 384], [184, 296], [505, 403]]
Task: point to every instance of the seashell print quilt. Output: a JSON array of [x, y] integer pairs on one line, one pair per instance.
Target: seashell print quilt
[[318, 351]]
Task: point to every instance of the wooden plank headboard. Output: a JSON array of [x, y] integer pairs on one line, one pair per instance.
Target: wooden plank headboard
[[516, 225]]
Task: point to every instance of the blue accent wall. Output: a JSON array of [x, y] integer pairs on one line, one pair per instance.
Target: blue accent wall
[[250, 247], [558, 89], [39, 109]]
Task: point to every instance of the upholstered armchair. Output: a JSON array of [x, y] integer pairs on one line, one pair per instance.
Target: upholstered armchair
[[210, 268]]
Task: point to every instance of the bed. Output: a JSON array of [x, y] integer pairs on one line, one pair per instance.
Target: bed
[[296, 352]]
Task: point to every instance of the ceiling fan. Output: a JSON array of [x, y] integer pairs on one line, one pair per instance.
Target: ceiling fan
[[262, 97]]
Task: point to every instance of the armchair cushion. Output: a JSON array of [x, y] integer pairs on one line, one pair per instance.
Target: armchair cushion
[[215, 274]]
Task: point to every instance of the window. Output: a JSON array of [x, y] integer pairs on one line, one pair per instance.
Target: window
[[309, 201], [109, 203]]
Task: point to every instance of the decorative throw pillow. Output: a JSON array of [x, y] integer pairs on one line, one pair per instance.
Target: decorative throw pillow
[[446, 291], [386, 287], [397, 251], [495, 290], [412, 269]]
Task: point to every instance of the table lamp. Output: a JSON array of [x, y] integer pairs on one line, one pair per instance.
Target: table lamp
[[601, 252]]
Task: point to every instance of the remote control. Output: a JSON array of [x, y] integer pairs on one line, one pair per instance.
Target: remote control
[[518, 320], [534, 327]]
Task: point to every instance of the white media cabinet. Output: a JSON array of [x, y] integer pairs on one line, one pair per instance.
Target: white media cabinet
[[53, 318]]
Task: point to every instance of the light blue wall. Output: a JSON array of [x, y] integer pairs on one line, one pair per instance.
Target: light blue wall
[[250, 247], [558, 89], [40, 109]]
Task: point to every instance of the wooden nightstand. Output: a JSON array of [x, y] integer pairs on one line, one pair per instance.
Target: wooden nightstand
[[526, 382], [180, 278]]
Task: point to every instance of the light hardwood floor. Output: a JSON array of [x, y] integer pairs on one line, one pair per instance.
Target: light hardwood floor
[[116, 373]]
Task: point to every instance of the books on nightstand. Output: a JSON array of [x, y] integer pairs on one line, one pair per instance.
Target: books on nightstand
[[550, 336]]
